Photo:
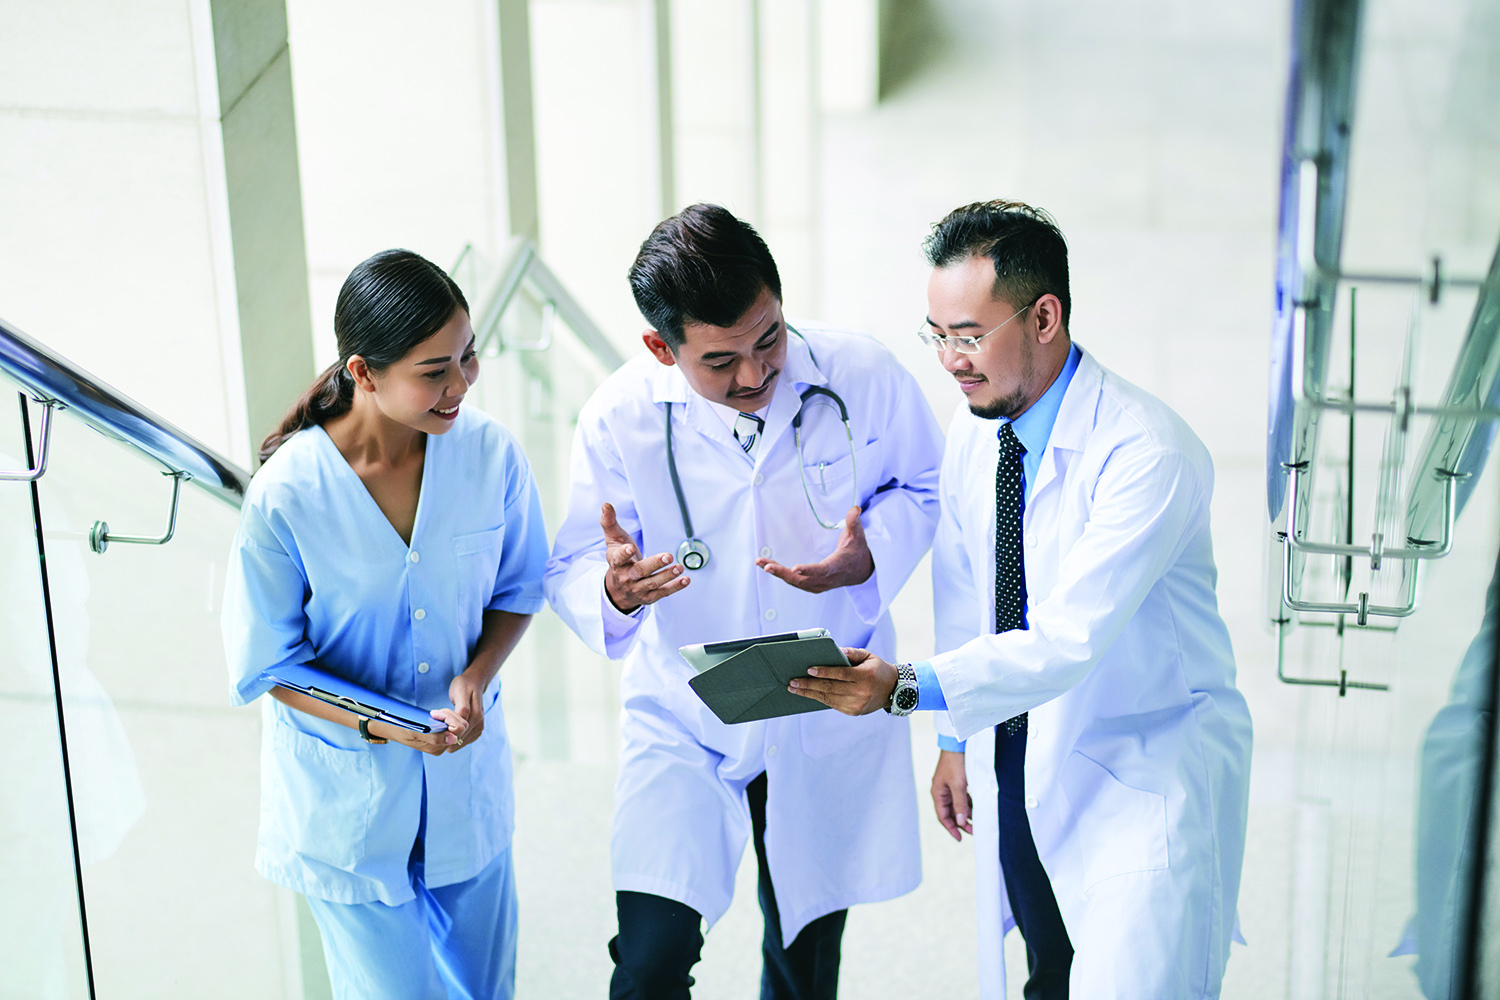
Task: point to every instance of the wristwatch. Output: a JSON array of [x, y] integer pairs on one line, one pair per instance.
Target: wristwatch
[[904, 696], [366, 735]]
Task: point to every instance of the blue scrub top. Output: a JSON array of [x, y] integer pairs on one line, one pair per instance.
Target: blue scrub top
[[318, 575]]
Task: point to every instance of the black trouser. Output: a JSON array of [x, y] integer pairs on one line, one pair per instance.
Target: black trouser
[[660, 939], [1049, 953]]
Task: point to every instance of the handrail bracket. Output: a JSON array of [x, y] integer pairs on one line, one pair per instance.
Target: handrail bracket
[[100, 537], [44, 434]]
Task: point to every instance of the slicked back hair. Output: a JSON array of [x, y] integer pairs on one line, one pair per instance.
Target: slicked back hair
[[702, 265], [1024, 243]]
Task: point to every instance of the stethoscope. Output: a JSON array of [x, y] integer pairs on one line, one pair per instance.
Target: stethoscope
[[693, 553]]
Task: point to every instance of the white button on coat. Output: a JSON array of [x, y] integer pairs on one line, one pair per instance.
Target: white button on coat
[[419, 614], [422, 668], [415, 557], [765, 551], [770, 614]]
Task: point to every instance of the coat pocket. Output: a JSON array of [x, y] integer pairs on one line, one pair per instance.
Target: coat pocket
[[318, 797], [1121, 829]]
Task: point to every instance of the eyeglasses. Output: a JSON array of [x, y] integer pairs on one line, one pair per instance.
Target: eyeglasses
[[963, 345]]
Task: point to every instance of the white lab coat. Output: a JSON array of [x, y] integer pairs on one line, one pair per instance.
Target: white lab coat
[[841, 823], [1138, 754]]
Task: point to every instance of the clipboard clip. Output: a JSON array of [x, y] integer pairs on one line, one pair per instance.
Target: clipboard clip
[[347, 704], [350, 705]]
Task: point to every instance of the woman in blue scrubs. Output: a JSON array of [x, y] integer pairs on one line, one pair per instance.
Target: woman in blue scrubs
[[393, 537]]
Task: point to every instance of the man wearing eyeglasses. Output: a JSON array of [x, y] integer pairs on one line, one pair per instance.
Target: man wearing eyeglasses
[[1080, 649]]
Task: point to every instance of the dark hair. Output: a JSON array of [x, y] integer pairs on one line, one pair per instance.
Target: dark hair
[[702, 265], [389, 304], [1027, 248]]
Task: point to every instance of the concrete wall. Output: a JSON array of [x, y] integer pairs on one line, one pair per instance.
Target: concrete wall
[[152, 227]]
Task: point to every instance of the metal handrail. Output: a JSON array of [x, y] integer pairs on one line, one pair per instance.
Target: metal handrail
[[1376, 551], [1361, 609], [523, 263], [49, 377]]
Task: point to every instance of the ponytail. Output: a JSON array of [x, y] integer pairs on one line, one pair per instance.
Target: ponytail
[[330, 395], [388, 305]]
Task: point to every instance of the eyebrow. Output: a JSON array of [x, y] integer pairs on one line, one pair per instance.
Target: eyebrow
[[967, 324], [715, 355], [962, 324], [447, 358]]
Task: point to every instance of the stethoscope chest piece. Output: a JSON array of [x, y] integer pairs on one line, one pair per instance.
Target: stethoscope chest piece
[[692, 554]]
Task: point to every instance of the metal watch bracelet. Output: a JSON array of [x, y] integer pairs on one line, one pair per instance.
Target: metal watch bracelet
[[905, 694]]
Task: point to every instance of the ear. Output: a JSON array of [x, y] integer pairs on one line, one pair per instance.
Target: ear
[[1047, 313], [658, 347], [361, 374]]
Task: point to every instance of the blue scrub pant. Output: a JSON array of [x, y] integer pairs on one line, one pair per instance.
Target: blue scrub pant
[[453, 941]]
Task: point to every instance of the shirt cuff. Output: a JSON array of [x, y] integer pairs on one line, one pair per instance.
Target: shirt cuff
[[952, 744], [929, 691], [616, 622]]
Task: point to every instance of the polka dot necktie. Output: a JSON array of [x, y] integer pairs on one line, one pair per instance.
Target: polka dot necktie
[[1010, 572]]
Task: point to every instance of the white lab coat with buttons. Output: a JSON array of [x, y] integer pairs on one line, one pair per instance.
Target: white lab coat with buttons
[[1138, 752], [841, 824]]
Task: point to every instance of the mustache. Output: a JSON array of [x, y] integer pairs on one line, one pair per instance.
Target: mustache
[[750, 392]]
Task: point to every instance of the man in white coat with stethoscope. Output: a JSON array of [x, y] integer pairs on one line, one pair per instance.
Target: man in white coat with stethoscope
[[1080, 649], [744, 478]]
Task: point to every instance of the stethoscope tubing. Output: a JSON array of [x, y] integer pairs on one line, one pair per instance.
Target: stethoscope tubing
[[694, 550]]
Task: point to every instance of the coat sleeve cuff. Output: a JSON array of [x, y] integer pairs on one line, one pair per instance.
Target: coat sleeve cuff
[[618, 624]]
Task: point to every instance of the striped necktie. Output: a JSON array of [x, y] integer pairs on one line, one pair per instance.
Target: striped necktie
[[1010, 571], [747, 428]]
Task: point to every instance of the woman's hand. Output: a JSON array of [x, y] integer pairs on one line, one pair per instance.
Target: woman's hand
[[467, 694], [465, 720], [431, 743]]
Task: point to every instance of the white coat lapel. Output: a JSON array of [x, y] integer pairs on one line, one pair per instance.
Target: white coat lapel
[[689, 409], [1075, 419]]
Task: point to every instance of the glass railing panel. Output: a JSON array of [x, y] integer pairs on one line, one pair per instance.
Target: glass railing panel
[[41, 936], [1372, 813], [535, 375], [165, 772], [561, 700], [1364, 820]]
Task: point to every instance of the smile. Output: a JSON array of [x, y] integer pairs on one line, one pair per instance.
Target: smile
[[447, 414]]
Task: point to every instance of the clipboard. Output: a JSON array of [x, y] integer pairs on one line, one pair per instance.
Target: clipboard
[[353, 698], [746, 679]]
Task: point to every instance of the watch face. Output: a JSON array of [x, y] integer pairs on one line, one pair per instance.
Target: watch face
[[906, 699]]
